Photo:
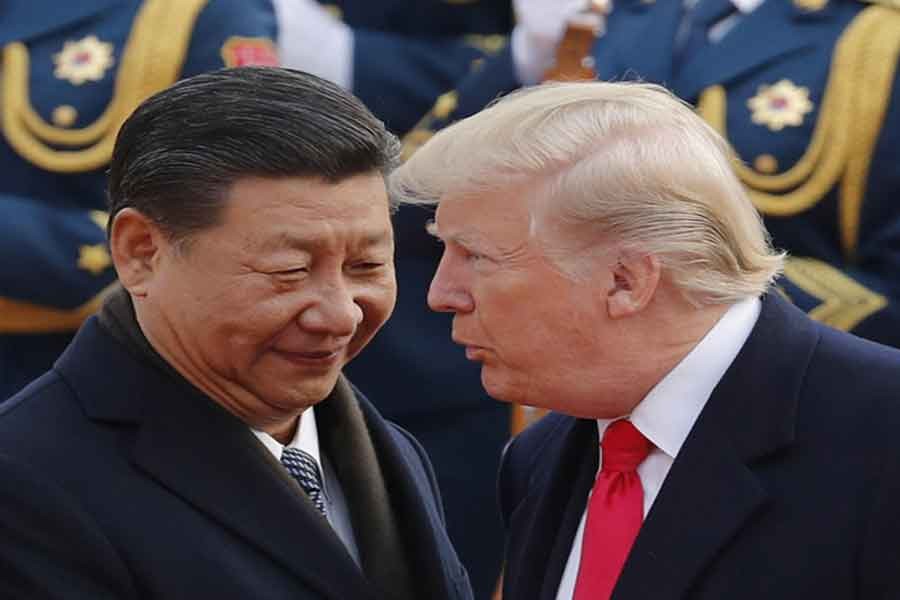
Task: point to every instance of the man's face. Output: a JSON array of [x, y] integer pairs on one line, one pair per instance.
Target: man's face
[[543, 339], [268, 306]]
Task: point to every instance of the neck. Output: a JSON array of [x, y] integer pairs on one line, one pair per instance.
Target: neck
[[656, 342]]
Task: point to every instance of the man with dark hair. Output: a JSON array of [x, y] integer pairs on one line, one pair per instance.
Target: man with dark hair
[[197, 438]]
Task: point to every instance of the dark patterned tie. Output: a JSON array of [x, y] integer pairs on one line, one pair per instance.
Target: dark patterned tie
[[305, 470]]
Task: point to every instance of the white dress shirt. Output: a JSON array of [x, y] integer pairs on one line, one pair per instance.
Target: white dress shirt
[[666, 415], [307, 439]]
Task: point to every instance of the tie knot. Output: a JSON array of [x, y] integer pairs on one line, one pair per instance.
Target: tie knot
[[304, 468], [624, 447]]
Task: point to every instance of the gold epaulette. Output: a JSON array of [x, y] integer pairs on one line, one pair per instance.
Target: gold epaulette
[[860, 83], [151, 61], [888, 3]]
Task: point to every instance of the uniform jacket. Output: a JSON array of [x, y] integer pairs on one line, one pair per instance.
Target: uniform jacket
[[786, 487], [407, 53], [124, 482], [808, 94], [70, 76]]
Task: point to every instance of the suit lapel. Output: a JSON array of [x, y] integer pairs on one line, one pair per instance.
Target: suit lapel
[[210, 459], [544, 523], [712, 491], [206, 456], [763, 36], [423, 532]]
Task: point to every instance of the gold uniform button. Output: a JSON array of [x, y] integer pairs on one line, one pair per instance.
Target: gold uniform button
[[64, 115], [766, 163]]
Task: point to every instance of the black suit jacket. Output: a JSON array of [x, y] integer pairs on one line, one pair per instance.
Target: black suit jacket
[[788, 485], [122, 482]]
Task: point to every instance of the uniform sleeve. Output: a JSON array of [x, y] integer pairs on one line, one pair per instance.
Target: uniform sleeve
[[232, 33], [488, 80], [49, 548], [56, 264], [400, 77]]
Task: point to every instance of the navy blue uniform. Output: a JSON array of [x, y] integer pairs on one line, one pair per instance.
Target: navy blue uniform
[[409, 52], [71, 75], [808, 94]]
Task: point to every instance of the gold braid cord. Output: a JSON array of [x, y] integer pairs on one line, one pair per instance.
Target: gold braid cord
[[151, 61], [859, 89]]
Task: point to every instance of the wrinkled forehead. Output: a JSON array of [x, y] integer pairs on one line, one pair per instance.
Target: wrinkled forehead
[[485, 213]]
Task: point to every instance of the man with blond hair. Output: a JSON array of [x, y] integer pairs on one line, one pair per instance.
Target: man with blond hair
[[708, 439]]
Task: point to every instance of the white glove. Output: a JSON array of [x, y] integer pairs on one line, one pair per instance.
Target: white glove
[[312, 39], [540, 25]]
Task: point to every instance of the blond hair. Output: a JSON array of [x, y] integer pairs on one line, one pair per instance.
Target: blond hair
[[626, 160]]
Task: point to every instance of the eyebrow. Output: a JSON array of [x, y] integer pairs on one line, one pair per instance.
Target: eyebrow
[[291, 241]]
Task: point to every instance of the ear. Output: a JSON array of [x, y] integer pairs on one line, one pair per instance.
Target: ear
[[136, 244], [635, 280]]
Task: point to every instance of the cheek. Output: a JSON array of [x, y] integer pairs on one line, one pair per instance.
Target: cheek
[[377, 303]]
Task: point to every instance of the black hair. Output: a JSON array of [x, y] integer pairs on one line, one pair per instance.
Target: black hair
[[177, 155]]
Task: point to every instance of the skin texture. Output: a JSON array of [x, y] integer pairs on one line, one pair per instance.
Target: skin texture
[[590, 346], [263, 310]]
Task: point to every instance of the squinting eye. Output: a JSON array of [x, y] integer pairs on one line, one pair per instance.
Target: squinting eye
[[290, 272], [368, 266]]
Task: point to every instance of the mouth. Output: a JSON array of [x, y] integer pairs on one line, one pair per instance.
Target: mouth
[[313, 358], [475, 353]]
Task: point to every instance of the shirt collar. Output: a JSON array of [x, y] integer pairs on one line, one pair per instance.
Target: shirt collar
[[666, 415], [305, 438]]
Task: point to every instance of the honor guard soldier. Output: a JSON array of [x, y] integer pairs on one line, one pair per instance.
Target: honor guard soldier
[[400, 57], [808, 94], [71, 74]]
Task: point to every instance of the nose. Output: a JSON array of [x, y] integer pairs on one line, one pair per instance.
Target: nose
[[334, 313], [447, 292]]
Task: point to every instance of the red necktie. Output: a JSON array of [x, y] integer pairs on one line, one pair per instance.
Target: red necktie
[[615, 512]]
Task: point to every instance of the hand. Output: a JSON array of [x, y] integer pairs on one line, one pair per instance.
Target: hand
[[540, 25], [313, 40]]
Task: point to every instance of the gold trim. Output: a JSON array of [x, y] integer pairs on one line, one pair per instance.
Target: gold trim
[[150, 62], [64, 115], [835, 139], [845, 302], [487, 43], [100, 217], [880, 56], [18, 317]]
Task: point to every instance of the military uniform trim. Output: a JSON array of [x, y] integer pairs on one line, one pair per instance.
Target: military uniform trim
[[148, 65], [874, 98], [88, 59], [845, 302], [17, 317], [851, 115]]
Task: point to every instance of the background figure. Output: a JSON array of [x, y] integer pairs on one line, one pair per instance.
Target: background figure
[[397, 56], [808, 93], [400, 57], [709, 440], [71, 75]]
